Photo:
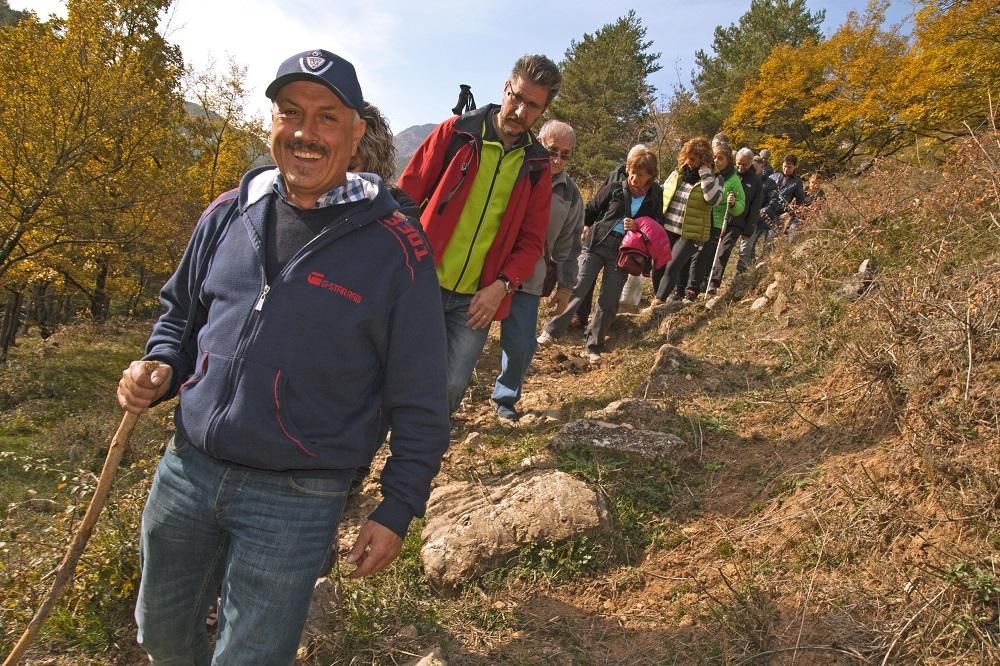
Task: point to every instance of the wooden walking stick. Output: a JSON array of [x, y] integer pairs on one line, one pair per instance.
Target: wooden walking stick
[[65, 571]]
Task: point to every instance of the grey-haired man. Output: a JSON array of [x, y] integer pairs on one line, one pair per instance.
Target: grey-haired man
[[304, 314]]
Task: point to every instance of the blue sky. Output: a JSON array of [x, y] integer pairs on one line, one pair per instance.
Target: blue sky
[[411, 55]]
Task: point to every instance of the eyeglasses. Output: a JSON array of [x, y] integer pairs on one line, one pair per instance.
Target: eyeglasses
[[557, 154], [520, 101]]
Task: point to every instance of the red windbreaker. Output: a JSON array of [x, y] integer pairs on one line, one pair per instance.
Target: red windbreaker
[[443, 189]]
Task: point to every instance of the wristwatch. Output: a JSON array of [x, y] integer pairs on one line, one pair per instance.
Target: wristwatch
[[507, 284]]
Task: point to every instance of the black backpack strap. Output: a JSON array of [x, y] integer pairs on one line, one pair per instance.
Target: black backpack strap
[[457, 140]]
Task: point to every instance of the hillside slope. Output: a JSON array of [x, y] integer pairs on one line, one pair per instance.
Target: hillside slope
[[839, 501]]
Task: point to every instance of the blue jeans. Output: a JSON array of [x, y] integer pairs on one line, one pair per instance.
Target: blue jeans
[[518, 343], [465, 345], [264, 537]]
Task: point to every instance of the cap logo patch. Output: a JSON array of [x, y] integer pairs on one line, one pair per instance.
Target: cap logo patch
[[315, 63]]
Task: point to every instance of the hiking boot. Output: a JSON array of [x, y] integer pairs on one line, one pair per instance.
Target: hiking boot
[[577, 322], [545, 338], [505, 413], [690, 296]]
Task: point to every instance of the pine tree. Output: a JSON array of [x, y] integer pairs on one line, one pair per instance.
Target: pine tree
[[606, 95]]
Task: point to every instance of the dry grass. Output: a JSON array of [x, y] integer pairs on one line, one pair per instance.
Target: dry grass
[[844, 503]]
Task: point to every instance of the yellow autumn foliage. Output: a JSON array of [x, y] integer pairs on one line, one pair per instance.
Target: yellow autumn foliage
[[869, 91]]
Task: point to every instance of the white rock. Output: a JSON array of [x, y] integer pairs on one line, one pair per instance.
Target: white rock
[[474, 526], [433, 658], [645, 443]]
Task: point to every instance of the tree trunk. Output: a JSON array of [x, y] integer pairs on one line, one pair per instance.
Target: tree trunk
[[100, 301], [141, 279], [41, 308], [9, 323], [66, 309]]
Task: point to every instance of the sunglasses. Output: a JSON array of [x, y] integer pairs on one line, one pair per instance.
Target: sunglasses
[[557, 154]]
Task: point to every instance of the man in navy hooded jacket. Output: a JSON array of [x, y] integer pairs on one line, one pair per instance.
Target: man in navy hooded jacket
[[314, 313]]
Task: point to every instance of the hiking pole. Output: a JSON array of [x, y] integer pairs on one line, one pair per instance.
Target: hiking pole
[[718, 245], [65, 570]]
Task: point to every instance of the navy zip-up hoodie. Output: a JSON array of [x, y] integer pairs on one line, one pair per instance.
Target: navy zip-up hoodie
[[296, 374]]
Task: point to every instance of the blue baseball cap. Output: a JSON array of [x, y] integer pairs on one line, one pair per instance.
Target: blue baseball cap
[[322, 67]]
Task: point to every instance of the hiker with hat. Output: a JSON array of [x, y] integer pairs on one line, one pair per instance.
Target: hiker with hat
[[304, 313], [485, 185]]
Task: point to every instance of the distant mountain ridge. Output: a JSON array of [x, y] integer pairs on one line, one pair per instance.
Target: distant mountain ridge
[[407, 141]]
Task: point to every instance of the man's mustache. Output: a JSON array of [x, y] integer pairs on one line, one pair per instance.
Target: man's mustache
[[298, 144], [511, 118]]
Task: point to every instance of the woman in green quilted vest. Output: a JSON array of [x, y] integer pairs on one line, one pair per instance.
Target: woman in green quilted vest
[[689, 195]]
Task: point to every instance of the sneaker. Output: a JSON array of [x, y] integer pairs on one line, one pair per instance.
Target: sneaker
[[594, 358], [505, 413], [545, 338]]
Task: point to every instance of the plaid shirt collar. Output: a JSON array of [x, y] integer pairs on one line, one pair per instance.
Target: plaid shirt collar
[[354, 189]]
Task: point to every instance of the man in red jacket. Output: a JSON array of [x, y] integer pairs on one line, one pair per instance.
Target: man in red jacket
[[485, 185]]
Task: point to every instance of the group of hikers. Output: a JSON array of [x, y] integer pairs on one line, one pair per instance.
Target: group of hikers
[[681, 233], [318, 309]]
